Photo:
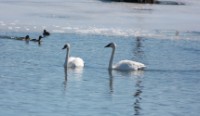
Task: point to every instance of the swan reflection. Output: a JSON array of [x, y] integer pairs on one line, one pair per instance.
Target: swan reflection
[[65, 71], [27, 42], [137, 50], [75, 72], [134, 74], [110, 81], [130, 73]]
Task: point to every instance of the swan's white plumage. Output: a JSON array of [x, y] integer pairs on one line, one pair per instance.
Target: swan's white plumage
[[75, 62], [123, 65], [128, 65]]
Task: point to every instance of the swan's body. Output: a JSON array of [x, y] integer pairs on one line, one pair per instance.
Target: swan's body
[[123, 65], [72, 62]]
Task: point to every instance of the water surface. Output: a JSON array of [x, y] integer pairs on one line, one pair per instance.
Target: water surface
[[32, 76]]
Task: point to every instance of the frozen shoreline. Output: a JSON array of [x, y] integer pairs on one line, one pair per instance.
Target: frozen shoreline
[[77, 17]]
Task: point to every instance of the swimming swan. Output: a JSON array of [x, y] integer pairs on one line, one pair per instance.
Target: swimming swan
[[72, 62], [123, 65]]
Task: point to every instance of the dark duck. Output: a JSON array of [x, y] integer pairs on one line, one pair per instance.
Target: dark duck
[[37, 40], [26, 38], [45, 33]]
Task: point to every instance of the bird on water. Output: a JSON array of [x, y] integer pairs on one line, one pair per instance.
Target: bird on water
[[72, 62], [23, 38], [123, 65], [45, 33], [37, 40]]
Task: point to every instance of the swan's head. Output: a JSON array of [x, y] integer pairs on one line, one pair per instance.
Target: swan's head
[[66, 46], [112, 45]]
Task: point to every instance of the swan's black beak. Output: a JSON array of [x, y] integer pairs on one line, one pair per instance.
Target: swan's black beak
[[107, 46], [64, 47]]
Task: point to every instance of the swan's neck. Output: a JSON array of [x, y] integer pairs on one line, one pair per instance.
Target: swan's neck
[[111, 59], [66, 58]]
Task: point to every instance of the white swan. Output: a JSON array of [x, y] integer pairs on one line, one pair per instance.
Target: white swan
[[123, 65], [72, 62]]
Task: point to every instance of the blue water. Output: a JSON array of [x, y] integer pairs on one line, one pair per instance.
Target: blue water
[[32, 77]]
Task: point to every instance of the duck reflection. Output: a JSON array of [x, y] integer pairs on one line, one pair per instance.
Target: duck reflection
[[138, 55], [137, 96], [138, 76], [137, 50], [27, 42]]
